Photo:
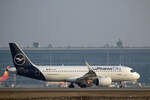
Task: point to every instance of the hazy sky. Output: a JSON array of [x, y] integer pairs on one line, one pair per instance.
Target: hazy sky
[[75, 22]]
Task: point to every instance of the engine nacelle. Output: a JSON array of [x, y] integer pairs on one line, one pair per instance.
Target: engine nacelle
[[105, 81]]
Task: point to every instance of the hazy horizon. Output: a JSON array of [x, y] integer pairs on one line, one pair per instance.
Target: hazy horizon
[[75, 22]]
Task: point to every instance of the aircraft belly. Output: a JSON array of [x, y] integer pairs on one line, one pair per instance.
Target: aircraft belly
[[114, 76], [121, 77], [61, 76], [58, 77]]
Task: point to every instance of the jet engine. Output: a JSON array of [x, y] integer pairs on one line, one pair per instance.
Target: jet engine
[[104, 81]]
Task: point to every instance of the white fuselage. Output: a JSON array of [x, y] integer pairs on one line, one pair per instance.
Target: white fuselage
[[71, 73]]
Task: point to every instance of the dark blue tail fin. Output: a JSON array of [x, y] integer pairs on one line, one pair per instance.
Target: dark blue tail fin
[[19, 58], [23, 64]]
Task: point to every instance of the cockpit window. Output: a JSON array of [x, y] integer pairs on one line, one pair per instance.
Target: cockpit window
[[132, 70]]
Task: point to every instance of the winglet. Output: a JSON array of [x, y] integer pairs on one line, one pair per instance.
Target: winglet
[[88, 66]]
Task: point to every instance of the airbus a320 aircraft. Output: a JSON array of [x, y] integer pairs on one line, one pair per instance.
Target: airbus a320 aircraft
[[83, 76]]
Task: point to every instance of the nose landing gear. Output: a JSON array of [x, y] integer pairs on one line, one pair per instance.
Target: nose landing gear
[[122, 84]]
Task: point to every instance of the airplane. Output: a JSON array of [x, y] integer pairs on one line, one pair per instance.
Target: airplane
[[82, 76], [5, 75]]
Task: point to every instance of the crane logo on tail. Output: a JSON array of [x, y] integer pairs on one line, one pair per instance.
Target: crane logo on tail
[[19, 59]]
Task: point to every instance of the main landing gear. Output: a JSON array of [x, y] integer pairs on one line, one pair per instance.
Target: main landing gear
[[71, 85]]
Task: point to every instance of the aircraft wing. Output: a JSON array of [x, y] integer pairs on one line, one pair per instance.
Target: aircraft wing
[[87, 79]]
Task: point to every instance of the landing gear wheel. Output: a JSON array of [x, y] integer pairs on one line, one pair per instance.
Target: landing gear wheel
[[83, 86], [71, 85]]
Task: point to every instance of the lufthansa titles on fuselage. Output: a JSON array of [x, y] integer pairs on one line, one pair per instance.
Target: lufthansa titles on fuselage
[[115, 69]]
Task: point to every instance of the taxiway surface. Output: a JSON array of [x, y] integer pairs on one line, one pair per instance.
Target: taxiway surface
[[71, 94]]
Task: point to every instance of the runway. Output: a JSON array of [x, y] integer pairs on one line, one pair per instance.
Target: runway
[[74, 94]]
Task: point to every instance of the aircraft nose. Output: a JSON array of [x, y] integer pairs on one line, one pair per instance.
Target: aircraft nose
[[137, 75]]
